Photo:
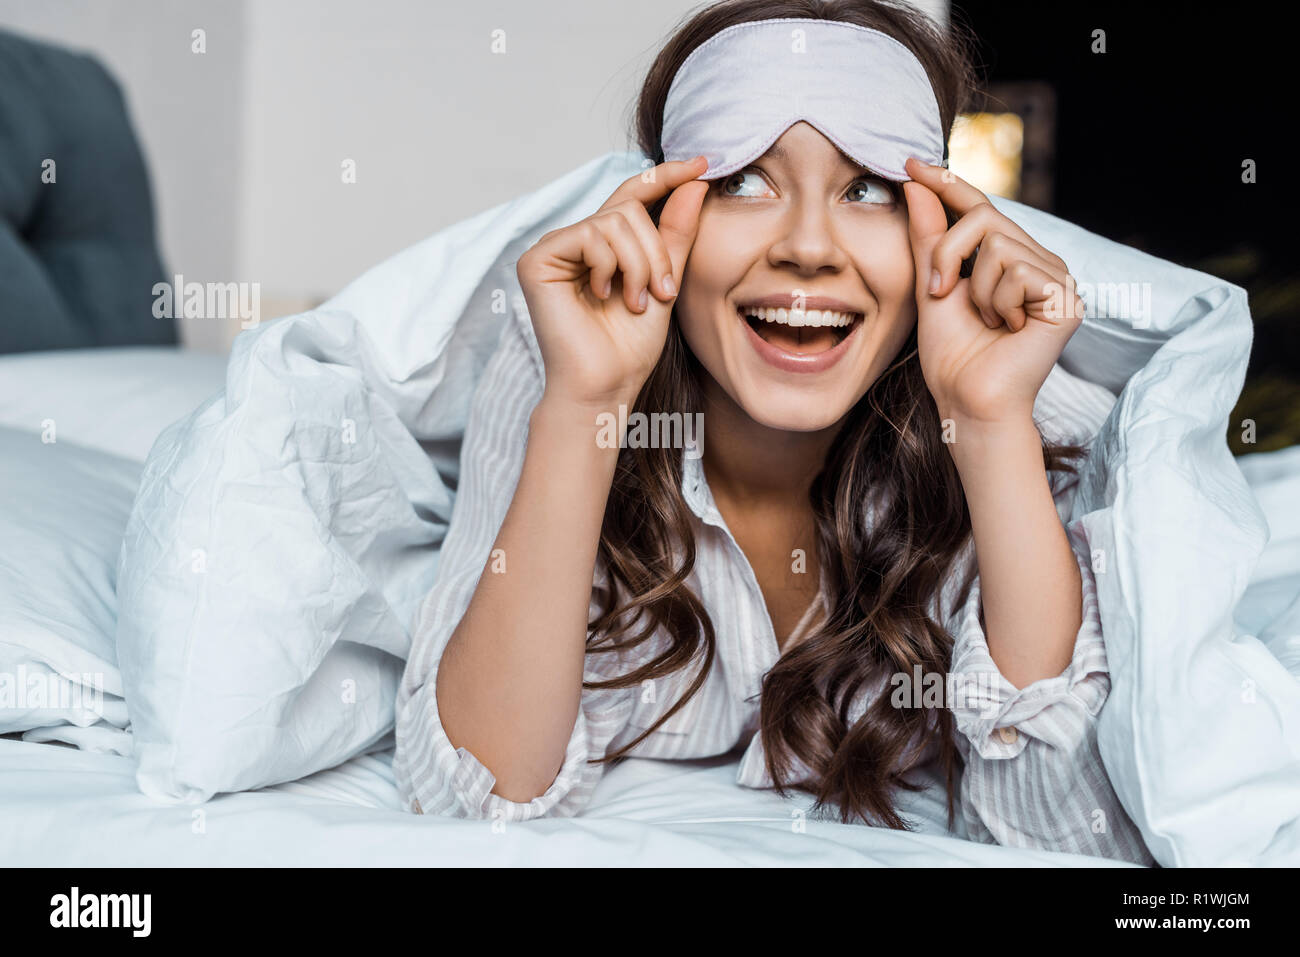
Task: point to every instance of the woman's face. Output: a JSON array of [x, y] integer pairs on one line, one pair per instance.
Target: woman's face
[[804, 226]]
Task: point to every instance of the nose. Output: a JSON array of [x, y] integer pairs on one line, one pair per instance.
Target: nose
[[808, 241]]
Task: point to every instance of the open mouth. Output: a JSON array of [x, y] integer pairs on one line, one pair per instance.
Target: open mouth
[[800, 332]]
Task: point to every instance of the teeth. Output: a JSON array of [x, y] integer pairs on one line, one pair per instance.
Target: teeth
[[795, 317]]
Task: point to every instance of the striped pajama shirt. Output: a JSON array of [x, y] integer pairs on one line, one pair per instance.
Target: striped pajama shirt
[[1033, 776]]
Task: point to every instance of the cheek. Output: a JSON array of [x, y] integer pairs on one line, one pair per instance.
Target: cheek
[[715, 266], [888, 267], [889, 272]]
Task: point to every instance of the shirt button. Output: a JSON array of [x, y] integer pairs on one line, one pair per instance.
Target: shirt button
[[1008, 735], [415, 806]]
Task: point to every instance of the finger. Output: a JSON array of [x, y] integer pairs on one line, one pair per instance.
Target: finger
[[1062, 304], [1023, 289], [679, 222], [953, 191], [926, 224], [661, 264], [961, 197], [997, 252], [632, 260], [578, 253], [971, 231], [603, 262], [977, 231], [658, 181]]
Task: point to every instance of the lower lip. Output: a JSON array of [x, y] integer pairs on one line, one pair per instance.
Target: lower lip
[[799, 361]]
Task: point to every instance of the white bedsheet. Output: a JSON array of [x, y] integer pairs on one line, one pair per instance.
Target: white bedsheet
[[65, 807]]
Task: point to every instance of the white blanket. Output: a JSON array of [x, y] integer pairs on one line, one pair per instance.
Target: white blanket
[[285, 531]]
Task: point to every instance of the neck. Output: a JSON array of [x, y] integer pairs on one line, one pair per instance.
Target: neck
[[750, 464]]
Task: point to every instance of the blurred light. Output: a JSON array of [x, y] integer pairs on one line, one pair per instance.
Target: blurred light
[[985, 150]]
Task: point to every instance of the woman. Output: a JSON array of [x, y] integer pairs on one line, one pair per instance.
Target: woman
[[870, 515]]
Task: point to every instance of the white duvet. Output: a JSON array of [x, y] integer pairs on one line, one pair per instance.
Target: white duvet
[[285, 531]]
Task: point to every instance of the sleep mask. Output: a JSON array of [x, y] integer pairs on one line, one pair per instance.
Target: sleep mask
[[737, 92]]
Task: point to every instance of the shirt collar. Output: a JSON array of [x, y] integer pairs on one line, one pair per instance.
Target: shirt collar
[[695, 488]]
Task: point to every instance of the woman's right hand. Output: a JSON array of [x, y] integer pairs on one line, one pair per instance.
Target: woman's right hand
[[601, 291]]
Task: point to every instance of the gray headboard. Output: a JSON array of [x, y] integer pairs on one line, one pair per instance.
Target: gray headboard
[[78, 257]]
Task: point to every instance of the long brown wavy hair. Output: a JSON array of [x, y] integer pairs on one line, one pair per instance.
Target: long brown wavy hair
[[880, 576]]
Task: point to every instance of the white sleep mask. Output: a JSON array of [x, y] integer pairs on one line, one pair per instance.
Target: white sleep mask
[[737, 92]]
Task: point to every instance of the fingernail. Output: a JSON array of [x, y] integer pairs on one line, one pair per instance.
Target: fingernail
[[642, 299], [670, 287], [935, 279], [605, 289]]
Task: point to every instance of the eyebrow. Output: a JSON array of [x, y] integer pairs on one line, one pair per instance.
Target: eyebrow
[[778, 151]]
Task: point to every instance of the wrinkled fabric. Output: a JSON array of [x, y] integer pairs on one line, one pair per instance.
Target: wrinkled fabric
[[285, 532]]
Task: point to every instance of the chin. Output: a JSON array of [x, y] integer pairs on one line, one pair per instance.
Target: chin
[[799, 412]]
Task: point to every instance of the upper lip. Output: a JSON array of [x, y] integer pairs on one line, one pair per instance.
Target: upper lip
[[786, 301]]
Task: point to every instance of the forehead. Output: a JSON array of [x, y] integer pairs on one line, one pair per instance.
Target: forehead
[[803, 143]]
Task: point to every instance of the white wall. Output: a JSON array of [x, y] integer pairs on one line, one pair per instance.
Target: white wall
[[245, 142], [440, 127]]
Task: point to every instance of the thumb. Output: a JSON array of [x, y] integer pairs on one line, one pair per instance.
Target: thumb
[[679, 221], [926, 223]]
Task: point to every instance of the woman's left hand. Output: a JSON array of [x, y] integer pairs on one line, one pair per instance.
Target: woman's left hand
[[986, 342]]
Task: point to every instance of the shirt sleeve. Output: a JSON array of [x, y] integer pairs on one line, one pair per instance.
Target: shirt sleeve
[[1034, 775], [432, 776]]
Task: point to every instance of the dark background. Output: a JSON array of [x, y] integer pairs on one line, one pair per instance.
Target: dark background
[[1149, 142]]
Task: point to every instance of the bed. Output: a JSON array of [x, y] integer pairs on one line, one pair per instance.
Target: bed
[[61, 806], [226, 543], [67, 805], [69, 795]]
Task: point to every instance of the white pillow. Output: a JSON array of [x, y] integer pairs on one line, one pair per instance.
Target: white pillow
[[60, 534], [116, 400]]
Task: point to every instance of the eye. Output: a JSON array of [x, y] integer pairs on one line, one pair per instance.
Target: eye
[[867, 189], [735, 184]]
